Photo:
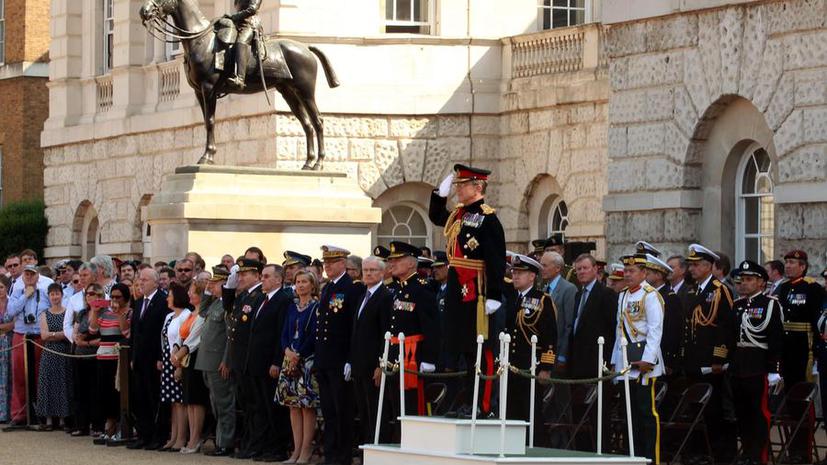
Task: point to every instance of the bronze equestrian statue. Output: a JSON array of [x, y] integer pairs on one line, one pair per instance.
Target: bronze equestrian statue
[[286, 65]]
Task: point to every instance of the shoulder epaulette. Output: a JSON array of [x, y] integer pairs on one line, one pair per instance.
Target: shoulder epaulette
[[716, 283], [423, 281], [508, 280], [809, 280], [648, 288], [487, 209]]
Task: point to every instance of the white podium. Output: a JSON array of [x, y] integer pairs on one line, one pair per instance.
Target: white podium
[[447, 441]]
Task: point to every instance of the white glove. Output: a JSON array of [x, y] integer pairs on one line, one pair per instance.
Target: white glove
[[347, 372], [445, 186], [773, 379], [426, 367], [232, 280], [492, 306]]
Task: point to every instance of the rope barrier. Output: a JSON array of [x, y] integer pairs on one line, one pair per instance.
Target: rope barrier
[[13, 347], [116, 347]]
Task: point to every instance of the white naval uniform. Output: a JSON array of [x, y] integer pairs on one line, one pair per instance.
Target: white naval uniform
[[641, 314]]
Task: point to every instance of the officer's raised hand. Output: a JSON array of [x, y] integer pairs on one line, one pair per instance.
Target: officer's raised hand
[[491, 306], [445, 186]]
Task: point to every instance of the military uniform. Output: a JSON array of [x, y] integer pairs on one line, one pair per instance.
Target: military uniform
[[640, 322], [757, 353], [709, 338], [334, 325], [241, 308], [802, 299], [414, 313], [476, 255], [531, 314]]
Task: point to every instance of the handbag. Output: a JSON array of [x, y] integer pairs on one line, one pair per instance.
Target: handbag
[[634, 350]]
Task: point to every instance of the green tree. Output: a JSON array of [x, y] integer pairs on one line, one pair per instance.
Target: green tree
[[23, 225]]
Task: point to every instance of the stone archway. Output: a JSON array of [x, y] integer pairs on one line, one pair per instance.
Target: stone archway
[[85, 231], [729, 126], [542, 194]]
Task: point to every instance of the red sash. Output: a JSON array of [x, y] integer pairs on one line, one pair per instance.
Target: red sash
[[410, 363]]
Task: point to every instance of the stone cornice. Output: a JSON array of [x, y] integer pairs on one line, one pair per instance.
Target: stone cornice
[[24, 69]]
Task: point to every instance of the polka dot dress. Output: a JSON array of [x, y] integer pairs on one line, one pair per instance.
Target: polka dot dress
[[170, 389]]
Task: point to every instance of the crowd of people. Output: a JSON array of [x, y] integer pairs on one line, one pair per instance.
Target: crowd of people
[[278, 361]]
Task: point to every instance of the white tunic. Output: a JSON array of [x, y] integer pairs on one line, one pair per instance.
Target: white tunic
[[640, 318]]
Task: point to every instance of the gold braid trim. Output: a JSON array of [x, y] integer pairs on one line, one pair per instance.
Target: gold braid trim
[[720, 351], [548, 357], [698, 317], [451, 230], [530, 322]]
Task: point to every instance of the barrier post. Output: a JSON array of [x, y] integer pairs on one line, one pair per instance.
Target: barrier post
[[383, 364], [123, 384], [401, 375], [623, 343], [506, 338], [533, 390], [476, 390], [600, 343]]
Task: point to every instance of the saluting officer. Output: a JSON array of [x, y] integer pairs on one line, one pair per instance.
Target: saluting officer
[[757, 353], [709, 337], [640, 322], [476, 256], [532, 314], [414, 314], [802, 299]]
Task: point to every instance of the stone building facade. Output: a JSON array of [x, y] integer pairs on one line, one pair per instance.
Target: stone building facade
[[717, 127], [672, 121], [24, 97]]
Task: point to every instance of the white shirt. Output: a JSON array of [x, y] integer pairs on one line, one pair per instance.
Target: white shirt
[[703, 285], [676, 287], [174, 328], [645, 307], [73, 305], [42, 283]]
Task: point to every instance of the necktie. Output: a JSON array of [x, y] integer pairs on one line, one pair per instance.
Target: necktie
[[583, 299], [143, 307], [364, 302], [266, 299]]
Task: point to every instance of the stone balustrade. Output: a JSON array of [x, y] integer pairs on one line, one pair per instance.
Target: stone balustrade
[[103, 92], [169, 80], [554, 51]]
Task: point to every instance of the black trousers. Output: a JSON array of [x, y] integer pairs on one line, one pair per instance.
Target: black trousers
[[146, 389], [751, 395], [85, 409], [108, 398], [337, 409], [367, 403], [721, 432], [246, 401], [268, 424], [645, 419]]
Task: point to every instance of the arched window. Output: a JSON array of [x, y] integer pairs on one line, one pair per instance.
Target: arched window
[[755, 212], [403, 222], [558, 219]]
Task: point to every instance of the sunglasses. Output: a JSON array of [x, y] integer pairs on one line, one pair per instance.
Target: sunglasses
[[184, 270], [13, 265], [116, 296]]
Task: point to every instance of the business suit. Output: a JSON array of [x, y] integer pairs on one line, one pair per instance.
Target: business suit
[[334, 326], [270, 423], [145, 332], [598, 317], [212, 352], [563, 295], [685, 293], [366, 346], [241, 308]]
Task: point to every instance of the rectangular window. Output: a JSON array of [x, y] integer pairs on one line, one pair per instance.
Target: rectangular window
[[173, 49], [2, 31], [564, 13], [409, 16], [108, 34]]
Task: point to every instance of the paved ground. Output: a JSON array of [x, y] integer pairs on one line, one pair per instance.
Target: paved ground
[[35, 448]]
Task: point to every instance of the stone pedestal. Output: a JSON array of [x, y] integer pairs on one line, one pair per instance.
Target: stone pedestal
[[215, 210]]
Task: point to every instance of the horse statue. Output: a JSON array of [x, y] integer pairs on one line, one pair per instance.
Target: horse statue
[[286, 65]]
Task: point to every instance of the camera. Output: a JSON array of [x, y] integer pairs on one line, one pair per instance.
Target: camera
[[29, 319]]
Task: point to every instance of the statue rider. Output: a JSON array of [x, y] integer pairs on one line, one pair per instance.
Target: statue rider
[[247, 21]]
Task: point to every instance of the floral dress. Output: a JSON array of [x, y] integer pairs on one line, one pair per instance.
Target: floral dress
[[297, 386]]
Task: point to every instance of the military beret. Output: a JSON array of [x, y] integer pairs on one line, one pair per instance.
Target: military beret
[[797, 254]]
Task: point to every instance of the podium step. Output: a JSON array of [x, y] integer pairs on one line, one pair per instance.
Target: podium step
[[386, 454], [453, 436]]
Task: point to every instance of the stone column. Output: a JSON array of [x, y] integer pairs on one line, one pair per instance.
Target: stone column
[[128, 58], [65, 66]]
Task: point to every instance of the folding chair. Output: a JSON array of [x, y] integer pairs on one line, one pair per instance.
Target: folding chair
[[688, 417], [787, 423], [660, 394], [583, 400], [435, 394]]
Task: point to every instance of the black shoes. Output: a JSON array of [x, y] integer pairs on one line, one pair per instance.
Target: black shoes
[[139, 444], [220, 452]]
